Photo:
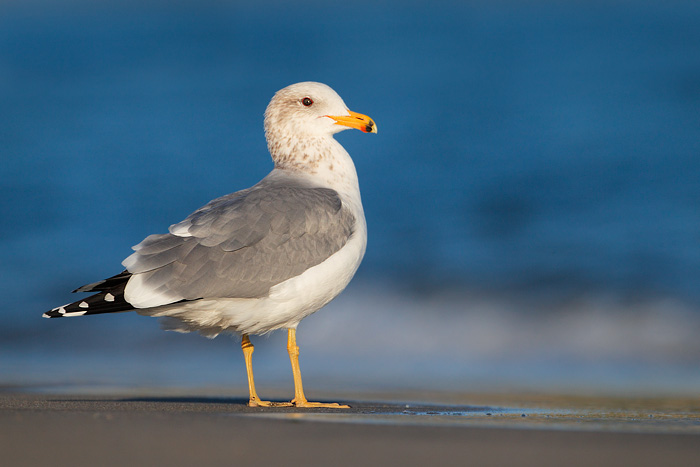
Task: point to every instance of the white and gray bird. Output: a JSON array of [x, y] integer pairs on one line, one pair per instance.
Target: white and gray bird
[[262, 258]]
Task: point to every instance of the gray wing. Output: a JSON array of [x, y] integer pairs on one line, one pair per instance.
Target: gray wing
[[242, 244]]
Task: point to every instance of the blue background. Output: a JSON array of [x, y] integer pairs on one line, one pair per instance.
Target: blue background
[[532, 195]]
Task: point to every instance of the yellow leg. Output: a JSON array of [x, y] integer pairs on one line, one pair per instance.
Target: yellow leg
[[255, 401], [299, 398]]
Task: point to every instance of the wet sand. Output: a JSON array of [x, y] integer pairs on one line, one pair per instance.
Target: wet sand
[[197, 428]]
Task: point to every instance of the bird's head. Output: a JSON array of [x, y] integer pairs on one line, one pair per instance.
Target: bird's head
[[312, 110]]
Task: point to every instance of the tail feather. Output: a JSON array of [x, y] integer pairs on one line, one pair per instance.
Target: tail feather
[[110, 299]]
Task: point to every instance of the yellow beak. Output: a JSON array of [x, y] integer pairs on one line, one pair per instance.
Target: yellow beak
[[355, 120]]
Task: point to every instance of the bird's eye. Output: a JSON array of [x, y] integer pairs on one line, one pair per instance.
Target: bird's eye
[[307, 101]]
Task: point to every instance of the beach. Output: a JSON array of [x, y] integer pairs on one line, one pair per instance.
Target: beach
[[166, 427]]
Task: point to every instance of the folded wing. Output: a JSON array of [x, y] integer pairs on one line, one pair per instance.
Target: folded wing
[[239, 246]]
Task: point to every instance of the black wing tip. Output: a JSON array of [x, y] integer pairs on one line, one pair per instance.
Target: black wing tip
[[89, 287], [63, 312], [106, 301], [106, 285], [51, 314]]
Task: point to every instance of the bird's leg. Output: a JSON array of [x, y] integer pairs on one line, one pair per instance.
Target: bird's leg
[[299, 398], [255, 401]]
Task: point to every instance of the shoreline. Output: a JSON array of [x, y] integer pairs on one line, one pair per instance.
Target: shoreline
[[171, 427]]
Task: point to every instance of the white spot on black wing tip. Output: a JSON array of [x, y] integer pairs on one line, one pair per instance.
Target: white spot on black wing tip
[[84, 305], [58, 312], [109, 297]]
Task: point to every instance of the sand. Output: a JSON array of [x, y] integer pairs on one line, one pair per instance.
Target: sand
[[187, 428]]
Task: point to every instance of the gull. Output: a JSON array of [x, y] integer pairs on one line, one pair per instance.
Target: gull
[[262, 258]]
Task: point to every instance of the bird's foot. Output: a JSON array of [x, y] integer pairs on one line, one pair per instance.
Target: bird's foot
[[306, 404], [259, 403]]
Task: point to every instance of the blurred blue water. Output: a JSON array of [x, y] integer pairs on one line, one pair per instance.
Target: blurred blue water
[[544, 153]]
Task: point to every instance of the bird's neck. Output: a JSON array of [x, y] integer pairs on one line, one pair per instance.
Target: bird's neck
[[322, 158]]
